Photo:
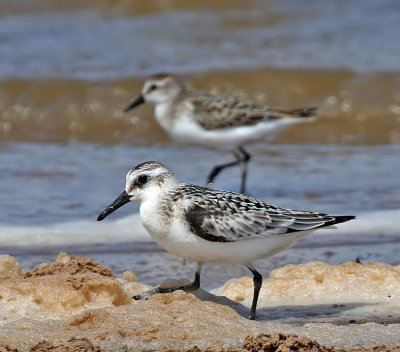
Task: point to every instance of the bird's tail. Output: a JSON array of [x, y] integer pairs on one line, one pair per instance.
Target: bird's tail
[[343, 218], [307, 112]]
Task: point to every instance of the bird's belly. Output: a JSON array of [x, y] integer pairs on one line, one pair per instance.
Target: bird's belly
[[221, 139], [173, 234], [192, 247]]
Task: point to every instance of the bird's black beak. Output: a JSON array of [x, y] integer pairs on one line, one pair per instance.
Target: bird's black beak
[[139, 100], [122, 199]]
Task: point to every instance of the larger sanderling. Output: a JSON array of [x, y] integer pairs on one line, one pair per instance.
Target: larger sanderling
[[219, 122], [207, 225]]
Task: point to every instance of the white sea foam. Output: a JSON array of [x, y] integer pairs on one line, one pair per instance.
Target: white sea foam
[[368, 227], [83, 232]]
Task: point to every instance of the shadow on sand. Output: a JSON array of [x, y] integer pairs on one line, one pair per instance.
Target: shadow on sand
[[338, 314]]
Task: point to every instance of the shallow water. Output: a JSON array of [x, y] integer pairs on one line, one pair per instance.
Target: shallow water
[[67, 70], [353, 109], [107, 40], [52, 183]]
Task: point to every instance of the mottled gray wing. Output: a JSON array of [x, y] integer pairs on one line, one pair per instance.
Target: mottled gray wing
[[228, 219], [218, 112]]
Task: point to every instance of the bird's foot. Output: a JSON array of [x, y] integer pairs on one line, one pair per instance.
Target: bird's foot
[[193, 286], [147, 294]]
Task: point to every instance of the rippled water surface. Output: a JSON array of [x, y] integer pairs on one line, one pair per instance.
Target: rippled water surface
[[102, 42], [46, 184]]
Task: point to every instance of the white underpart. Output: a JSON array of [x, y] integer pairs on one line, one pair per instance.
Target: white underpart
[[173, 234], [183, 128]]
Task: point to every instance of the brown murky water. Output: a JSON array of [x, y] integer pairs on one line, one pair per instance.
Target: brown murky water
[[354, 109]]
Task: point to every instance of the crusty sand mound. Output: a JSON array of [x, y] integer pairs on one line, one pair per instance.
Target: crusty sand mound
[[75, 304], [259, 343], [320, 282], [53, 290]]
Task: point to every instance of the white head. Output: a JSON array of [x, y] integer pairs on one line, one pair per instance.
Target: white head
[[143, 182], [158, 89]]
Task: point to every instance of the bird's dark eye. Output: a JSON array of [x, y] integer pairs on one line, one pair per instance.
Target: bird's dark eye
[[152, 87], [142, 179]]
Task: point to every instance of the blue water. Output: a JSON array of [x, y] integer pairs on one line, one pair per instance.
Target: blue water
[[51, 183], [359, 35]]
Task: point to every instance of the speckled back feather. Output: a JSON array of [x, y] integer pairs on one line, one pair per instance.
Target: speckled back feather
[[219, 112], [222, 216]]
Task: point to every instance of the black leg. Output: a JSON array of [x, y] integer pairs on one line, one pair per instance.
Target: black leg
[[217, 169], [242, 157], [193, 286], [257, 282]]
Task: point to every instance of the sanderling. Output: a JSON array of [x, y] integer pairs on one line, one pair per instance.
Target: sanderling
[[208, 225], [219, 122]]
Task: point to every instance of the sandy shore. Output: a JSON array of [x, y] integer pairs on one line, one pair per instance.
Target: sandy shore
[[76, 304]]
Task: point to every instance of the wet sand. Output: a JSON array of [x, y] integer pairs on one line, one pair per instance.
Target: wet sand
[[75, 303]]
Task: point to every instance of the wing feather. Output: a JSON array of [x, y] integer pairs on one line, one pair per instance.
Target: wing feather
[[229, 217], [219, 112]]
